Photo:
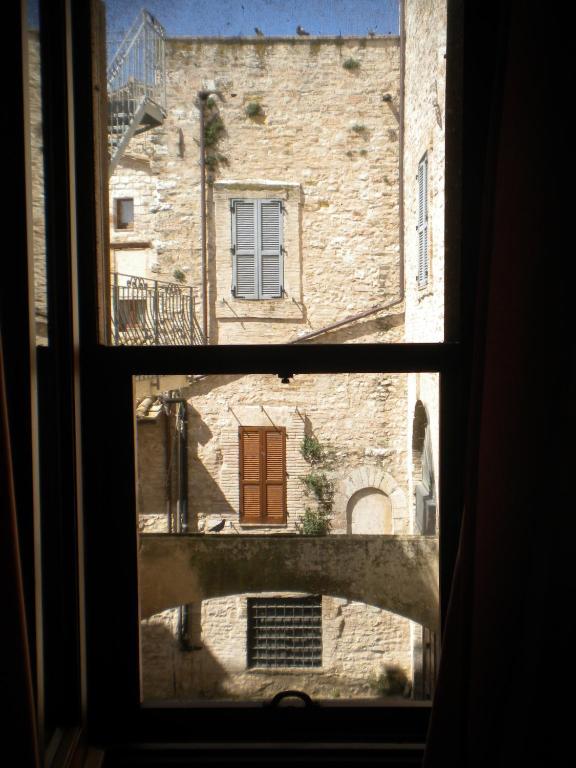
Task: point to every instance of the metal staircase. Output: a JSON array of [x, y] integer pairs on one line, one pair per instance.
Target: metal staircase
[[136, 80]]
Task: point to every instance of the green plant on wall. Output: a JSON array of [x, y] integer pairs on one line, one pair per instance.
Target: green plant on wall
[[214, 130], [254, 109], [214, 159], [179, 275], [312, 450], [351, 64], [316, 520]]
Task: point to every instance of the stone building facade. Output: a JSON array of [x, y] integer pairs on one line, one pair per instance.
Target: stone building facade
[[295, 122], [340, 215]]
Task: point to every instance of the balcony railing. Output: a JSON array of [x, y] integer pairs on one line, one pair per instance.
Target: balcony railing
[[152, 312]]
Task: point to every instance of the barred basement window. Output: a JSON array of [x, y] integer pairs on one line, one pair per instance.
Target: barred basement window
[[285, 631]]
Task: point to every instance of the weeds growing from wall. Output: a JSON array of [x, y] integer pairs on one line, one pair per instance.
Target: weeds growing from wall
[[351, 64], [318, 487]]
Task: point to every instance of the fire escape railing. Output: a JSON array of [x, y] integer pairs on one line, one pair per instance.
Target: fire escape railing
[[152, 312], [136, 82]]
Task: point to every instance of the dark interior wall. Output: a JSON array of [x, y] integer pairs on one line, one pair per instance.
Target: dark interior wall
[[504, 662], [501, 637]]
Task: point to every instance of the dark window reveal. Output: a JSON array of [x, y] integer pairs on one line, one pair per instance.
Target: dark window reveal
[[125, 213]]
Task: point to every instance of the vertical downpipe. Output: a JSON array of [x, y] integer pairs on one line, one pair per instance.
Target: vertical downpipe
[[155, 311], [183, 466], [401, 277], [115, 308], [168, 468], [191, 313], [202, 103]]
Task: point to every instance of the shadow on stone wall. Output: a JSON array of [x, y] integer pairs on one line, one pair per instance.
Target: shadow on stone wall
[[168, 672]]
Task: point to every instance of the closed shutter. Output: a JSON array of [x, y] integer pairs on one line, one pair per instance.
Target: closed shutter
[[244, 248], [250, 475], [257, 249], [271, 249], [262, 475], [422, 226], [274, 441]]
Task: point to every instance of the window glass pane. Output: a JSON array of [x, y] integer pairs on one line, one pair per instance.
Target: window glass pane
[[288, 535], [274, 170], [36, 149]]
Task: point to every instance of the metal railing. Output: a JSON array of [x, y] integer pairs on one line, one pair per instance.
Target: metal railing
[[152, 312], [135, 76]]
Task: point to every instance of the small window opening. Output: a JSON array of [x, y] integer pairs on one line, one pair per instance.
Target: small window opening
[[125, 213]]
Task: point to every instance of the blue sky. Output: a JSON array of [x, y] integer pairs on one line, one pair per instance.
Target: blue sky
[[274, 17]]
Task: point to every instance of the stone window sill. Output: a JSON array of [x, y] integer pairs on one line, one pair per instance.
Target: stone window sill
[[246, 309]]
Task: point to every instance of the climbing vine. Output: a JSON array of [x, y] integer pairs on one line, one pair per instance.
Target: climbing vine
[[214, 130], [318, 487]]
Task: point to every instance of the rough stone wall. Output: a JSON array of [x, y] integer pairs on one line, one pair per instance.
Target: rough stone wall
[[424, 116], [359, 417], [326, 143], [358, 642], [424, 107]]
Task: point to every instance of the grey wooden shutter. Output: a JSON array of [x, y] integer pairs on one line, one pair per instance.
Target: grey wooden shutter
[[270, 247], [422, 226], [244, 248]]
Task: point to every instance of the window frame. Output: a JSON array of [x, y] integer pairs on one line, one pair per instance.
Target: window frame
[[108, 688]]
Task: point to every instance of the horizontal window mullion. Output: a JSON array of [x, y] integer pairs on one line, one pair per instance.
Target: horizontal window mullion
[[279, 359]]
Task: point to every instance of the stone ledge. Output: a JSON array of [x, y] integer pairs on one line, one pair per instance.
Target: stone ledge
[[255, 184], [258, 309]]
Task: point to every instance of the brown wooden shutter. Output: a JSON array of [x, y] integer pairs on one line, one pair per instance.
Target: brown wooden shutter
[[262, 475], [275, 475], [250, 475]]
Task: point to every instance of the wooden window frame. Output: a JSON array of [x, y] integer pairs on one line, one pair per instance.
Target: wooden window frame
[[264, 519], [101, 692]]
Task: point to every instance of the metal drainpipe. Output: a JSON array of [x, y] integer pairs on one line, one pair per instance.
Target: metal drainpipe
[[168, 468], [401, 143], [182, 428], [202, 96], [182, 512]]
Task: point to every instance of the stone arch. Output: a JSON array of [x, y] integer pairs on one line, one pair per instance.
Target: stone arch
[[373, 480], [420, 424], [396, 573], [369, 511]]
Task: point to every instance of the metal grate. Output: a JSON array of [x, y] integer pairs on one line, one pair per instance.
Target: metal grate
[[285, 631], [152, 312]]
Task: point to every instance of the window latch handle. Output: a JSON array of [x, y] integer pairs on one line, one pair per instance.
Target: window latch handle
[[277, 700]]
